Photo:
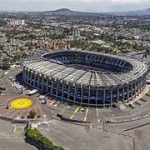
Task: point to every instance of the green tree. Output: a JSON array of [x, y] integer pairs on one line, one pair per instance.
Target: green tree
[[34, 137], [32, 114]]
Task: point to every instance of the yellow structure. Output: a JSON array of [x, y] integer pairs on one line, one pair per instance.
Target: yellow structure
[[21, 103]]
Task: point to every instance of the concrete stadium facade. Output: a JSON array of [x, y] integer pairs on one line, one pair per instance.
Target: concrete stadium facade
[[86, 78]]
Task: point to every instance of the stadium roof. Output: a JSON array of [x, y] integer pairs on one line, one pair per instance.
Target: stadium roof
[[83, 77]]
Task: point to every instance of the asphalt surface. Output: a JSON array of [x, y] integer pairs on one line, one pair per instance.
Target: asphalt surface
[[12, 138], [74, 137], [98, 136], [14, 144], [141, 138]]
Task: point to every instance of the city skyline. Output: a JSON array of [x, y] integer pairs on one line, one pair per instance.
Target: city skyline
[[89, 5]]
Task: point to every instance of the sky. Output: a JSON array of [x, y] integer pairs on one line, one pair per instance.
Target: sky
[[78, 5]]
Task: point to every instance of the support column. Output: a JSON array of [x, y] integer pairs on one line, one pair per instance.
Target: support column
[[57, 89], [128, 91], [42, 82], [30, 76], [62, 91], [28, 79], [75, 94], [27, 76], [141, 87], [118, 95], [135, 94], [123, 93], [104, 98], [89, 96], [96, 95], [31, 80], [81, 95], [132, 90], [47, 85], [34, 79], [111, 97], [68, 92], [51, 87], [38, 82]]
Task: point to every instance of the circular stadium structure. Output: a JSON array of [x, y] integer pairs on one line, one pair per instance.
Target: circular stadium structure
[[86, 78]]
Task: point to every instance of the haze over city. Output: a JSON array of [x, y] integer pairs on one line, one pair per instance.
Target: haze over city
[[78, 5]]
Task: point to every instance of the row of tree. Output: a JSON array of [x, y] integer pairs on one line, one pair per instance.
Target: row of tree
[[34, 137]]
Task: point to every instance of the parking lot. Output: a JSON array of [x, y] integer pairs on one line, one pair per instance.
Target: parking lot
[[73, 137], [97, 116], [122, 118]]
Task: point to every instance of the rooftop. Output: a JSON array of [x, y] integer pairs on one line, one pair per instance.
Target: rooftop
[[83, 75]]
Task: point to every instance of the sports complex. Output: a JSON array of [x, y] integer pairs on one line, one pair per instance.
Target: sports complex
[[86, 78]]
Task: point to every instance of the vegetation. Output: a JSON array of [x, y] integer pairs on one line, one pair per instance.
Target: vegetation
[[138, 26], [27, 37], [124, 43], [79, 44], [17, 57], [2, 89], [33, 136], [32, 114], [56, 36], [2, 23], [5, 63]]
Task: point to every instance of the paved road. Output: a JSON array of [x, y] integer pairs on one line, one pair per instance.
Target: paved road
[[11, 139], [141, 138], [73, 137], [7, 143]]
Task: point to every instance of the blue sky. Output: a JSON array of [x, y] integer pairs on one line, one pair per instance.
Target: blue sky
[[80, 5]]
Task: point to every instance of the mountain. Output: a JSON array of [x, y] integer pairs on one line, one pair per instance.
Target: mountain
[[145, 12], [67, 12], [148, 9], [63, 10], [142, 12]]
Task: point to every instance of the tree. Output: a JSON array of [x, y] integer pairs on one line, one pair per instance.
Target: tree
[[5, 63], [17, 57], [32, 114], [34, 137]]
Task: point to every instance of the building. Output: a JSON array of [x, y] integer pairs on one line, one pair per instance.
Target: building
[[52, 44], [75, 35], [16, 22], [86, 78], [100, 43]]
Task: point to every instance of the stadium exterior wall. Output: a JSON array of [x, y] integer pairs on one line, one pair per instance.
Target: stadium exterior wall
[[81, 94]]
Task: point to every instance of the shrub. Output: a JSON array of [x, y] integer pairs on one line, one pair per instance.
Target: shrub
[[32, 114], [34, 137]]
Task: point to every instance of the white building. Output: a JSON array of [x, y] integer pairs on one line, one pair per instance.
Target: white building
[[17, 22]]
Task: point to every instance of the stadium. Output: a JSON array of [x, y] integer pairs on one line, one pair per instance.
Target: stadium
[[86, 78]]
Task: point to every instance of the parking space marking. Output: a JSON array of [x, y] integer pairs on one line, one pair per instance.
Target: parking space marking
[[64, 109], [98, 115], [76, 110], [97, 112], [14, 129], [86, 113]]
